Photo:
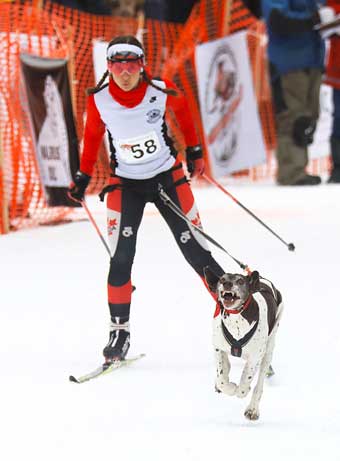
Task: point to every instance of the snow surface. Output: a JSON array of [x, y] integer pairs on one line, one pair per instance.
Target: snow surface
[[54, 322]]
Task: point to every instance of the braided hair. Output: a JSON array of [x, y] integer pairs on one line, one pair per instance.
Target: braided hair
[[131, 40]]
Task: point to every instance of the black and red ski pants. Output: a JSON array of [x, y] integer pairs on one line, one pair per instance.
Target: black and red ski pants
[[125, 206]]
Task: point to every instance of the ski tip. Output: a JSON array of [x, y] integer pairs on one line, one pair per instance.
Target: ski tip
[[270, 372], [73, 379]]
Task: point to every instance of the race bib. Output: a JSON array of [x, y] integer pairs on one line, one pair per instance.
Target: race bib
[[140, 149]]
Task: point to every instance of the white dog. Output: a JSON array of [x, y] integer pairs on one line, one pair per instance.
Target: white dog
[[245, 324]]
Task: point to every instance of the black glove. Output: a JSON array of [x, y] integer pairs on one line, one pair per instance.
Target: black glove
[[77, 188], [195, 162], [316, 18], [303, 131]]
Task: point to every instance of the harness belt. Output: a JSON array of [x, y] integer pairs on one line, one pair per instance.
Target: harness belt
[[237, 344], [107, 189], [112, 187]]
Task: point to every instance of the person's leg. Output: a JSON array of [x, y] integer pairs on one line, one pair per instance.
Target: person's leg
[[192, 244], [292, 120], [124, 214], [335, 139], [313, 96]]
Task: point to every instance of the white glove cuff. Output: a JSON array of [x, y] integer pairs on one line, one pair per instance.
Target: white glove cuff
[[327, 14]]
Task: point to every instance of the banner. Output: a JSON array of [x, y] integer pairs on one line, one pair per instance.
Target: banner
[[99, 58], [232, 128], [321, 143], [50, 107]]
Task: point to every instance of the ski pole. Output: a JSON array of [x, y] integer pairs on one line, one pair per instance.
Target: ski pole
[[169, 203], [91, 218], [95, 226], [290, 246]]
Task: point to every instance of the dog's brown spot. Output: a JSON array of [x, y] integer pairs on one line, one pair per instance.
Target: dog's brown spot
[[252, 313]]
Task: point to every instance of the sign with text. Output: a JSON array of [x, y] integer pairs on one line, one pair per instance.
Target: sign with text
[[50, 108]]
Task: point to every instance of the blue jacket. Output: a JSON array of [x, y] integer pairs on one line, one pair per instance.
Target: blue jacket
[[293, 44]]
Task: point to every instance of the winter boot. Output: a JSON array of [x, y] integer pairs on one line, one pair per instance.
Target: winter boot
[[308, 180], [335, 173], [119, 342]]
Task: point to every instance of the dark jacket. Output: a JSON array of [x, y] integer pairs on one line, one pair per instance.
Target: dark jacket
[[293, 44]]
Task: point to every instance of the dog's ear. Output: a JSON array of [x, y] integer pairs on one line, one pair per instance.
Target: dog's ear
[[211, 278], [254, 282]]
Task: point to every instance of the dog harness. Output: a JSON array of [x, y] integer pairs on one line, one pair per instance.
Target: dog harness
[[236, 345], [270, 296]]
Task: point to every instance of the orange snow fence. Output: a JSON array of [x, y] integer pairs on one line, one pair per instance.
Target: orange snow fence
[[51, 30]]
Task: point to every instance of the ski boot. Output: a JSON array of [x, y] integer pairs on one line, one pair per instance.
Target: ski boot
[[119, 342]]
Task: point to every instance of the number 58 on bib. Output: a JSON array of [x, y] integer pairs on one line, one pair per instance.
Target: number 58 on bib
[[140, 149]]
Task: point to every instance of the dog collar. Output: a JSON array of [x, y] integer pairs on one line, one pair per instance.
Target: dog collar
[[236, 311]]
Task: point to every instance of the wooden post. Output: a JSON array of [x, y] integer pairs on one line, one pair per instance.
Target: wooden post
[[257, 62], [4, 221], [71, 69], [228, 5], [140, 26], [38, 4]]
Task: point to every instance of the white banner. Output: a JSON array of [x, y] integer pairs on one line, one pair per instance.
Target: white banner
[[231, 123], [321, 144], [99, 58]]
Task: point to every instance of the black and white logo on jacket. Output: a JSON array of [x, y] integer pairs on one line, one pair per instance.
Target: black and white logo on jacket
[[153, 115]]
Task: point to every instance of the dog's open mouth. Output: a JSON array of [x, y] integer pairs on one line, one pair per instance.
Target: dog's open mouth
[[229, 298]]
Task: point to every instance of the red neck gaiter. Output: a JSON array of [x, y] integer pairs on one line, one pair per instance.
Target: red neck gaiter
[[128, 98]]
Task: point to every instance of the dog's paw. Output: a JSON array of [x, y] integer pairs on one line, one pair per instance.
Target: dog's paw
[[230, 388], [252, 414], [226, 388], [242, 391]]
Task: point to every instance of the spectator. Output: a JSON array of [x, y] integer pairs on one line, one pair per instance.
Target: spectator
[[296, 56], [333, 79]]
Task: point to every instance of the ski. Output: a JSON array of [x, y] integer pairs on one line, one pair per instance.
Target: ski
[[105, 369]]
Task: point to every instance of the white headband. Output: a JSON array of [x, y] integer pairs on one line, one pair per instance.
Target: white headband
[[124, 47]]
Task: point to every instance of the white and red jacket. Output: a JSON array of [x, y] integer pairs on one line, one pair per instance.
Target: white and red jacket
[[135, 122], [333, 63]]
